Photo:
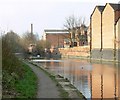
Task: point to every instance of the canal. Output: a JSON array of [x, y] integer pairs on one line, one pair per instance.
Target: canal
[[92, 79]]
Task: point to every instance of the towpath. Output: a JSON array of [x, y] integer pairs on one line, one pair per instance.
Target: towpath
[[46, 87]]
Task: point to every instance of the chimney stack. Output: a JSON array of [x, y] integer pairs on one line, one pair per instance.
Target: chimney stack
[[31, 28]]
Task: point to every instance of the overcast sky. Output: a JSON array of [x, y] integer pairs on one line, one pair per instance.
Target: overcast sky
[[17, 15]]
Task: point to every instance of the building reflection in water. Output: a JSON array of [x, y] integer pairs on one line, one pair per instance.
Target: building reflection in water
[[101, 87], [91, 84]]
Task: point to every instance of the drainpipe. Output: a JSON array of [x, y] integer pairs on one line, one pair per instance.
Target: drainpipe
[[90, 36], [58, 41], [101, 34], [114, 35], [101, 37]]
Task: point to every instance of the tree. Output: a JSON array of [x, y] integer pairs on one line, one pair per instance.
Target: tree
[[76, 27], [12, 39], [28, 42], [27, 39], [70, 24], [41, 45], [11, 45]]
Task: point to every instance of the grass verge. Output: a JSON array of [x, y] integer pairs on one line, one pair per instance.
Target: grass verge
[[20, 83], [27, 86]]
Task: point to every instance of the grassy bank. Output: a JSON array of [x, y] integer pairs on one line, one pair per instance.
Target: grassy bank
[[19, 81], [27, 86]]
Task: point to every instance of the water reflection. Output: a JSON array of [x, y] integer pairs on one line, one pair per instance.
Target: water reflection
[[94, 80], [91, 84]]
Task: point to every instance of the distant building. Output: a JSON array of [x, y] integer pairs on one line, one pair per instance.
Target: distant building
[[32, 45], [64, 38], [56, 37], [88, 36], [81, 35], [31, 48], [104, 23]]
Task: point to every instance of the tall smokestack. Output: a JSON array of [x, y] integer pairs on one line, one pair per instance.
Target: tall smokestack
[[31, 28]]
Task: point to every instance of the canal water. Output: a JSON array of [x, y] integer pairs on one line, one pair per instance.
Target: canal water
[[93, 80]]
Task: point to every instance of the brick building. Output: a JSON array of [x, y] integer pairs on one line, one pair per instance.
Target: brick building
[[105, 32], [65, 38], [56, 37]]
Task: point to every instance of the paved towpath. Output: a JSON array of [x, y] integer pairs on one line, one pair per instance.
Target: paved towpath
[[46, 87]]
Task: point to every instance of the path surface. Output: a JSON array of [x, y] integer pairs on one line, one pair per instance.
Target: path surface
[[46, 87]]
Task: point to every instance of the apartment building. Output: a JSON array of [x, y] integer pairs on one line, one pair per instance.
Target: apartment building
[[105, 32]]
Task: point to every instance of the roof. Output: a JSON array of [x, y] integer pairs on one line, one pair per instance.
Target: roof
[[100, 8], [117, 20], [55, 31], [115, 6]]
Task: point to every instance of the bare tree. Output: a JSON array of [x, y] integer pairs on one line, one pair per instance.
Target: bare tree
[[74, 22], [32, 45], [70, 22], [28, 39], [75, 26]]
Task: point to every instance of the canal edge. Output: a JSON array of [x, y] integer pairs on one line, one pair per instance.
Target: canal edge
[[66, 89]]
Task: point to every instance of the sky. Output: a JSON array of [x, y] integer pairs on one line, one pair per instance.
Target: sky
[[17, 15]]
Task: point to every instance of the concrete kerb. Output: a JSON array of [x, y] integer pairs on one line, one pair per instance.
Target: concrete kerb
[[64, 83]]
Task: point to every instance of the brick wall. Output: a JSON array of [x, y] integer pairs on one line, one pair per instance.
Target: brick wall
[[75, 51], [105, 54], [96, 29], [118, 39], [118, 34], [57, 39], [108, 27]]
